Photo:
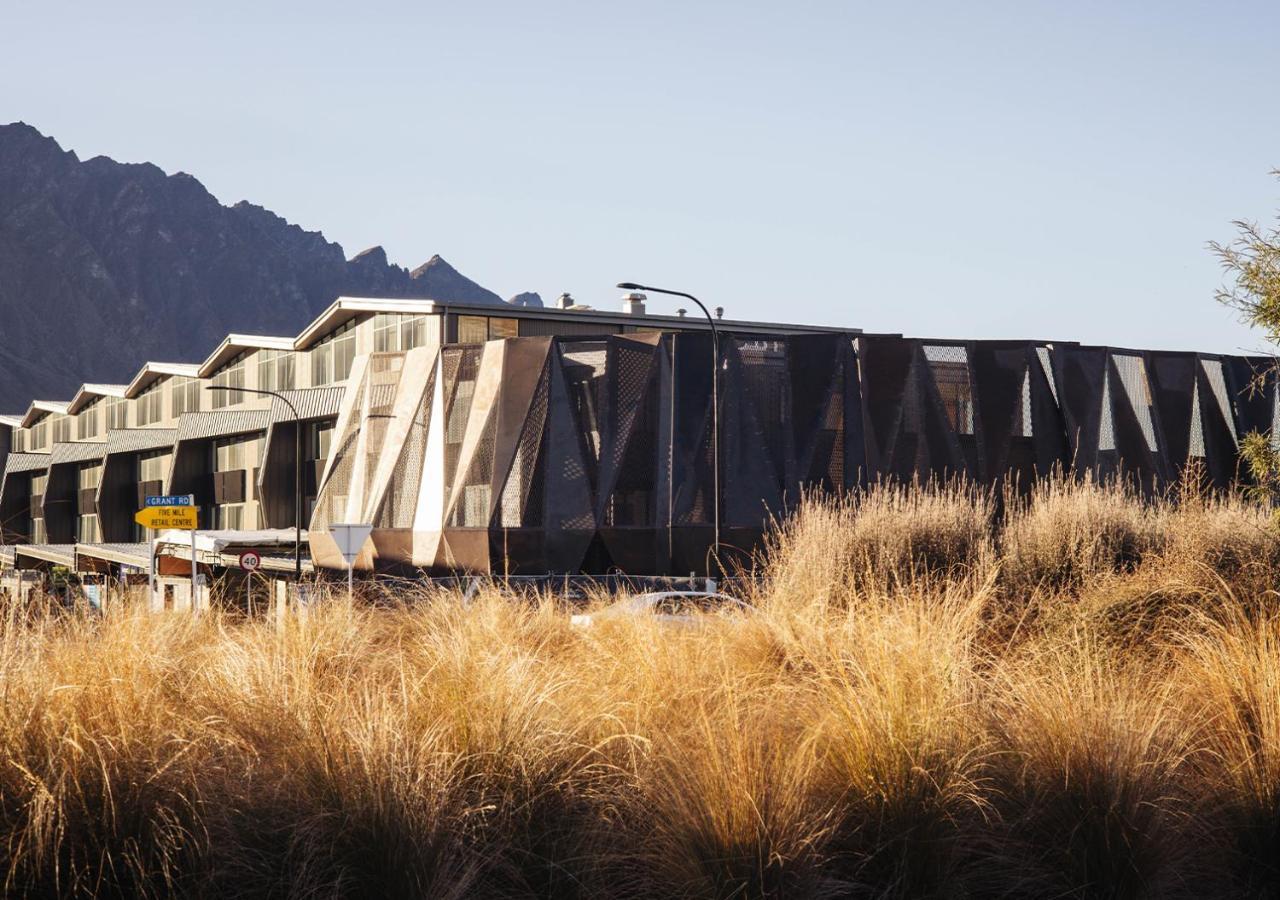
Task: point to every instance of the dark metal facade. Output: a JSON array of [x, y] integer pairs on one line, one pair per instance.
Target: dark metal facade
[[593, 454]]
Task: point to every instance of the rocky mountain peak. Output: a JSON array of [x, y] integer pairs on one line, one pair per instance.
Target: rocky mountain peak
[[104, 264]]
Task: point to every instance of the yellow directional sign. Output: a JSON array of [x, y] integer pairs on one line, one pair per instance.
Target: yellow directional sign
[[162, 517]]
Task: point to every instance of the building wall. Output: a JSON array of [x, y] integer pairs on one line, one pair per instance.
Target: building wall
[[569, 454]]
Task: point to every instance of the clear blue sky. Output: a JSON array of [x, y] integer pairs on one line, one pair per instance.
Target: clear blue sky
[[980, 169]]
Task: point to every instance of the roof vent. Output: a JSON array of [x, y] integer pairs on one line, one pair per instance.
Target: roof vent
[[681, 312], [719, 312], [633, 304], [564, 301]]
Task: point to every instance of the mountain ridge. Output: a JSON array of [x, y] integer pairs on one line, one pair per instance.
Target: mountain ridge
[[104, 264]]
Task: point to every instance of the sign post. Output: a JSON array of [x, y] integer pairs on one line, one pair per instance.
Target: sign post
[[249, 562], [350, 539], [171, 511]]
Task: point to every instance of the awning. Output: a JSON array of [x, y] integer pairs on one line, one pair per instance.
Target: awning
[[43, 555], [122, 554]]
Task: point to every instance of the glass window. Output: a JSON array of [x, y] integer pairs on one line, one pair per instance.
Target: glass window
[[61, 429], [393, 332], [88, 531], [275, 370], [318, 439], [150, 405], [413, 332], [117, 413], [229, 516], [18, 440], [386, 333], [38, 484], [184, 395], [331, 359], [503, 328], [231, 376], [87, 421], [153, 466], [38, 533], [40, 435], [89, 476], [473, 329], [231, 454]]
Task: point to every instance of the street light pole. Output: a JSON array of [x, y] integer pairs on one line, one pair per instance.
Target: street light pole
[[297, 469], [715, 400]]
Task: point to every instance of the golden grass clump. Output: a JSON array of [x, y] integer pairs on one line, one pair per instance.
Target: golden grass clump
[[1077, 694]]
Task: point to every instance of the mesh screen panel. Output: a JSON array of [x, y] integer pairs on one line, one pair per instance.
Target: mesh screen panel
[[764, 381], [1046, 363], [522, 494], [331, 506], [1196, 446], [401, 499], [950, 367], [1213, 369], [1106, 430], [1133, 376]]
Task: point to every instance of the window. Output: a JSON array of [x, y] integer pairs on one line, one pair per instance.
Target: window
[[503, 328], [87, 530], [398, 331], [230, 375], [229, 516], [184, 395], [87, 421], [153, 466], [19, 440], [61, 429], [318, 438], [473, 329], [150, 405], [386, 333], [40, 435], [331, 359], [230, 454], [89, 476], [275, 370], [38, 533], [117, 413]]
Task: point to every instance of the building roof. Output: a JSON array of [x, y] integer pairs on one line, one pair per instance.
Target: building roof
[[154, 371], [14, 421], [41, 408], [90, 392], [232, 344], [345, 308]]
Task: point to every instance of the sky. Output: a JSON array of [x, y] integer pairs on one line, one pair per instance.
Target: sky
[[999, 170]]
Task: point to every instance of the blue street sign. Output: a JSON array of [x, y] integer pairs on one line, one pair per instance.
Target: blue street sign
[[172, 500]]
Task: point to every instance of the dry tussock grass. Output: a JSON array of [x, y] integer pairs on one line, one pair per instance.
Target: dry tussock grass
[[940, 695]]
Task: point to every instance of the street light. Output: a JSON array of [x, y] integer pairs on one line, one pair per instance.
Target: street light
[[715, 399], [297, 471]]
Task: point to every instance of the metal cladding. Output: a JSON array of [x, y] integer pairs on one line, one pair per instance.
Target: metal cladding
[[595, 454]]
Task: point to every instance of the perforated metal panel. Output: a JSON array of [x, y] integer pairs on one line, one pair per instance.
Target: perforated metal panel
[[1213, 369], [1133, 376]]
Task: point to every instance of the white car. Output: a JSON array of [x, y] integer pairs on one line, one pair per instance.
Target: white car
[[669, 607]]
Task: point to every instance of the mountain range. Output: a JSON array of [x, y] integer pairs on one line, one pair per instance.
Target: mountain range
[[104, 265]]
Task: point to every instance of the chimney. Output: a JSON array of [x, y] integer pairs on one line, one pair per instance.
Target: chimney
[[564, 301], [633, 304]]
